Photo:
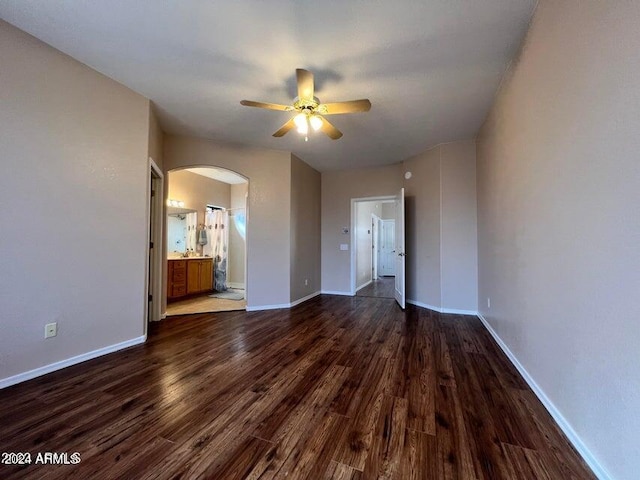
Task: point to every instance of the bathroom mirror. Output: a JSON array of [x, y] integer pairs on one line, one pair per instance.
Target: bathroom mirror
[[177, 226]]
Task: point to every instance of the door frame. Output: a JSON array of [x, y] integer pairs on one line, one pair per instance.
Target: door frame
[[153, 270], [352, 263]]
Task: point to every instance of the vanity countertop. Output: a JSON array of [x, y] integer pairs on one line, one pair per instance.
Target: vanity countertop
[[189, 258]]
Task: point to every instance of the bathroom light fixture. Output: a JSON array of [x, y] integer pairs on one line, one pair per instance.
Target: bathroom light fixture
[[175, 203]]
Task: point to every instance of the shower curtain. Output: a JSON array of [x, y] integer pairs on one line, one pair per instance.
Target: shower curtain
[[192, 225], [216, 223]]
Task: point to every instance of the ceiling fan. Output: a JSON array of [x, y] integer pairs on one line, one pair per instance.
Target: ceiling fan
[[310, 111]]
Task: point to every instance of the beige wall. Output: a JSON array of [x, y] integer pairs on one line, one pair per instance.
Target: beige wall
[[74, 148], [422, 228], [156, 137], [458, 227], [269, 208], [305, 229], [237, 244], [338, 188], [559, 229], [441, 228], [198, 191]]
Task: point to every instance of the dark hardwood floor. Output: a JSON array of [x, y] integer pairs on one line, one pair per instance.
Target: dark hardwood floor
[[382, 287], [338, 387]]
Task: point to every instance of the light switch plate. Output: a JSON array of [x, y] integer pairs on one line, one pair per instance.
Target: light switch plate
[[344, 247]]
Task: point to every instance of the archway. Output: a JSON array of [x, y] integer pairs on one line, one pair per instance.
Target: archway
[[206, 237]]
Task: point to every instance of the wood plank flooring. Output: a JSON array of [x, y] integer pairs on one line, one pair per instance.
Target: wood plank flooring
[[335, 388], [204, 304], [381, 287]]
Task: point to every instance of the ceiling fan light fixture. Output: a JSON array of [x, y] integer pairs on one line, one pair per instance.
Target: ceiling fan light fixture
[[316, 122], [310, 112], [301, 121]]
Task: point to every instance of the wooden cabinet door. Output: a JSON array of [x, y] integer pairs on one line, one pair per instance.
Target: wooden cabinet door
[[193, 276], [206, 275], [170, 279]]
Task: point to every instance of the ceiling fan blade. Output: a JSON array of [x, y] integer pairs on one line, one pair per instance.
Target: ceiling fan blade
[[330, 130], [290, 125], [270, 106], [352, 106], [305, 84]]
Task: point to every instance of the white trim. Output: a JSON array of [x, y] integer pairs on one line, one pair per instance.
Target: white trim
[[423, 305], [304, 299], [52, 367], [365, 285], [337, 292], [235, 285], [458, 312], [257, 308], [442, 309], [440, 219], [562, 422]]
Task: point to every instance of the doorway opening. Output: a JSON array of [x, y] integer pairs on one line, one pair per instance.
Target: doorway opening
[[376, 247], [207, 224], [367, 257]]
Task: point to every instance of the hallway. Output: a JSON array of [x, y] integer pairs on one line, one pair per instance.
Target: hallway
[[382, 287]]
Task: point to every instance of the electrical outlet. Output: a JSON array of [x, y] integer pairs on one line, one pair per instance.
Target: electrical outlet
[[306, 282], [488, 302], [51, 330]]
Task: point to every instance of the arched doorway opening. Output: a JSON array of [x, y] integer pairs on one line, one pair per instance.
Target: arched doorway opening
[[206, 240]]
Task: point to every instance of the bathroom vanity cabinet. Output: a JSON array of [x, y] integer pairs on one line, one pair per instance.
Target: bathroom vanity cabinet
[[199, 275], [187, 276]]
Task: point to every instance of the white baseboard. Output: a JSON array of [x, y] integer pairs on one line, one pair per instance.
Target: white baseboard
[[235, 285], [336, 292], [37, 372], [365, 285], [562, 422], [304, 299], [442, 310], [256, 308], [458, 312], [423, 305]]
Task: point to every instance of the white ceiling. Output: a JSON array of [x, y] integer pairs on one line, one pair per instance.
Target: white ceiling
[[429, 67], [220, 174]]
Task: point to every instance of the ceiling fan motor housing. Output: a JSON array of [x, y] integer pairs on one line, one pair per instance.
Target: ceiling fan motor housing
[[309, 104]]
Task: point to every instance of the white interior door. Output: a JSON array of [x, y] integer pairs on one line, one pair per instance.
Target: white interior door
[[400, 293], [387, 248], [374, 245]]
